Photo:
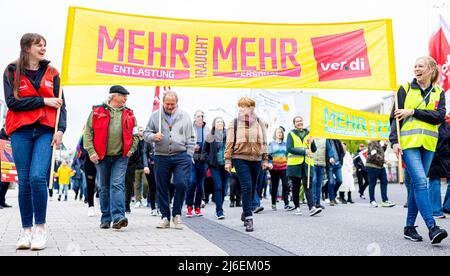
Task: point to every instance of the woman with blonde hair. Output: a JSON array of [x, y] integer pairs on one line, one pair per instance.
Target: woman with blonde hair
[[421, 109]]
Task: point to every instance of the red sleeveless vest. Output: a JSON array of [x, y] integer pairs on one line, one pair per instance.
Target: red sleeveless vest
[[100, 124], [45, 115]]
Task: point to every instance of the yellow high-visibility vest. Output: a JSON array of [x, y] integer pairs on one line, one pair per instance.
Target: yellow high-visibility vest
[[414, 132], [299, 159]]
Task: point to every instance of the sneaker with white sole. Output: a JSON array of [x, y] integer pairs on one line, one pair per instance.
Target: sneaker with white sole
[[387, 204], [374, 204], [298, 212], [137, 205], [24, 241], [163, 224], [314, 211], [91, 212], [154, 213], [177, 222], [39, 240]]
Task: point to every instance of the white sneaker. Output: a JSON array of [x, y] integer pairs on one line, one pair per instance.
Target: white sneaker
[[24, 241], [327, 201], [163, 224], [154, 213], [374, 204], [137, 205], [298, 212], [177, 222], [144, 203], [387, 204], [91, 212], [39, 240]]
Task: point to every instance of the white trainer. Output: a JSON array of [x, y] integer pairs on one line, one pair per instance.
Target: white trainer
[[137, 205], [298, 212], [154, 213], [39, 240], [374, 204], [91, 212], [24, 241]]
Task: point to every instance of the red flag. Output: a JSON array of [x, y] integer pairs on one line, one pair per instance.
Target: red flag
[[156, 99], [439, 47]]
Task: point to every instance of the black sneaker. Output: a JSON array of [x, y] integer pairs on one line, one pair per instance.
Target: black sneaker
[[410, 233], [105, 225], [232, 204], [314, 211], [320, 206], [446, 211], [249, 225], [342, 200], [242, 217], [258, 210], [120, 224], [437, 234]]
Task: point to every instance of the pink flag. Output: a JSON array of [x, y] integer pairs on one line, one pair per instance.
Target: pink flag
[[156, 99], [439, 47]]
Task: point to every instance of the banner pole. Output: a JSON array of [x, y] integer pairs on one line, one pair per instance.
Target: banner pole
[[399, 157], [160, 113], [309, 167], [52, 165]]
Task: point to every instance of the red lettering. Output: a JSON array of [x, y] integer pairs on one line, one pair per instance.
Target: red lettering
[[181, 53], [118, 39], [265, 55], [291, 55], [245, 54], [132, 47], [225, 54], [152, 50]]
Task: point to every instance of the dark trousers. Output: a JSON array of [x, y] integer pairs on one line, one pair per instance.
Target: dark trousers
[[296, 183], [235, 189], [362, 176], [151, 187], [90, 173], [3, 189], [276, 176], [129, 183]]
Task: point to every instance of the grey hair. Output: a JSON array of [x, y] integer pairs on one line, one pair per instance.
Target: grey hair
[[111, 96], [170, 93]]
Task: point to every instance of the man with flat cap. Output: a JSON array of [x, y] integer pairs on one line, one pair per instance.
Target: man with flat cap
[[111, 138]]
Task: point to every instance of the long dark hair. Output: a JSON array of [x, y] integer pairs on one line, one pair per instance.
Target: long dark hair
[[26, 42], [213, 129]]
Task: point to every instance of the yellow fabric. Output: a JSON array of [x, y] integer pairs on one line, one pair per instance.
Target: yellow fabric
[[102, 48], [64, 173], [333, 121], [299, 159], [414, 132]]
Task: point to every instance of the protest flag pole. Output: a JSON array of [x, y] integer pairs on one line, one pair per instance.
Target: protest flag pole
[[52, 165], [399, 157], [309, 167]]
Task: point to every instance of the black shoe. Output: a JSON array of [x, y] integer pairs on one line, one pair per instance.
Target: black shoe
[[249, 225], [122, 223], [258, 210], [4, 205], [410, 233], [446, 211], [437, 234], [59, 198], [342, 200], [232, 204], [105, 225], [242, 217], [320, 206], [1, 207], [238, 204]]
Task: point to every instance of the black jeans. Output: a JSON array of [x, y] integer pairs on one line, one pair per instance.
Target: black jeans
[[3, 190], [235, 189], [296, 183], [151, 187], [362, 175], [276, 176], [129, 183], [90, 173]]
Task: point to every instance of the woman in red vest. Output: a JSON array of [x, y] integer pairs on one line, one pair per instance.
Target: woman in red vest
[[31, 92]]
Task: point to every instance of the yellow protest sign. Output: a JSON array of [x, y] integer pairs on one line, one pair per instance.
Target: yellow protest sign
[[104, 48], [333, 121]]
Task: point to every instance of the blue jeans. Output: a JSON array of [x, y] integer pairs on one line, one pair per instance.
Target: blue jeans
[[447, 197], [180, 166], [318, 175], [334, 184], [112, 170], [196, 183], [64, 189], [257, 192], [220, 179], [418, 162], [247, 173], [32, 152], [434, 192], [374, 175]]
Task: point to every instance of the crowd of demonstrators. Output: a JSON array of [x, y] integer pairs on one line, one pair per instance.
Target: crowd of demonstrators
[[348, 182], [4, 186], [195, 189], [420, 110], [278, 157], [174, 149], [335, 158], [359, 161], [246, 150], [110, 139], [300, 147], [439, 169], [31, 87], [375, 169]]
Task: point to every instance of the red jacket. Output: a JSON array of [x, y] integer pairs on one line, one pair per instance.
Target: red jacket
[[45, 115], [100, 125]]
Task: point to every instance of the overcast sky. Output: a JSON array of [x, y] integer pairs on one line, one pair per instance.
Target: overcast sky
[[413, 22]]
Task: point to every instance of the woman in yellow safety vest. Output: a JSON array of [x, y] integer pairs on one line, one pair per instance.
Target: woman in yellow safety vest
[[300, 160], [421, 109]]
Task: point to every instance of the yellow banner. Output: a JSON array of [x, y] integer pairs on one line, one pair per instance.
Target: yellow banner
[[333, 121], [104, 48]]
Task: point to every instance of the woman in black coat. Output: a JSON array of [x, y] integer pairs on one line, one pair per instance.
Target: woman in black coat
[[440, 168]]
